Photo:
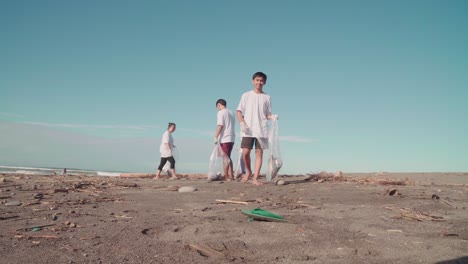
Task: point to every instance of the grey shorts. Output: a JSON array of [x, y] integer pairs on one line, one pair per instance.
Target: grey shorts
[[249, 142]]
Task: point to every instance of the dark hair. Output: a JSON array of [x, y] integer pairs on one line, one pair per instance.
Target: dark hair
[[170, 124], [221, 101], [259, 74]]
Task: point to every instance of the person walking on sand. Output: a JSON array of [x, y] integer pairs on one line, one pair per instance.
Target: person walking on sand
[[225, 135], [253, 113], [166, 149]]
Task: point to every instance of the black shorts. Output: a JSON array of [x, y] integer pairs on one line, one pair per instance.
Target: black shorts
[[166, 159], [249, 142]]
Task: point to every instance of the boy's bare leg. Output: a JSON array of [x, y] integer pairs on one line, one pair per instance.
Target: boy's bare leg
[[158, 173], [226, 169], [248, 170], [231, 171], [173, 174], [258, 166]]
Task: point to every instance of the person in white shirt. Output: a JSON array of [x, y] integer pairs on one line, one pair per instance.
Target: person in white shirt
[[225, 135], [253, 113], [166, 148]]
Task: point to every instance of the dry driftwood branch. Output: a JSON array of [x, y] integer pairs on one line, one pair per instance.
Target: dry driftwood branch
[[231, 201], [45, 236], [206, 251]]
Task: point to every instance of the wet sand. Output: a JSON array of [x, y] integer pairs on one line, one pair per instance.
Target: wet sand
[[356, 218]]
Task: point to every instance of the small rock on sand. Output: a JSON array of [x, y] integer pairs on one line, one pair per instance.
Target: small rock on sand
[[13, 203], [38, 196], [281, 182], [187, 189]]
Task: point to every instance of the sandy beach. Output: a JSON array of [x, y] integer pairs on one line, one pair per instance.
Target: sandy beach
[[349, 218]]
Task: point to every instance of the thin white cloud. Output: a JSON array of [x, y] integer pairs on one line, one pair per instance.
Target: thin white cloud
[[10, 115], [296, 139], [86, 126]]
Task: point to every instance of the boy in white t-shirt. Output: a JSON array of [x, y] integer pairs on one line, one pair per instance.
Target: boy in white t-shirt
[[253, 113], [225, 134], [166, 148]]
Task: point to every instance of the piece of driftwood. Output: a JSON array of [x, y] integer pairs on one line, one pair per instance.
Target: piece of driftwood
[[45, 236], [137, 175], [11, 185], [231, 201], [446, 202], [206, 251], [8, 217]]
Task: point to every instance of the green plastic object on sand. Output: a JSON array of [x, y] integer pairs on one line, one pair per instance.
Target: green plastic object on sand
[[260, 214]]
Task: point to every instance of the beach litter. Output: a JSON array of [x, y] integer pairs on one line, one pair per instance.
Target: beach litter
[[262, 215], [34, 228]]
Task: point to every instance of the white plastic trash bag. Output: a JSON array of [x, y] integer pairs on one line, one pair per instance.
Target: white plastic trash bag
[[240, 167], [274, 157], [218, 159], [167, 168]]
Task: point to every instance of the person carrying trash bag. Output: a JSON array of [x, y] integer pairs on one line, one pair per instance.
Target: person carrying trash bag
[[225, 136], [253, 113]]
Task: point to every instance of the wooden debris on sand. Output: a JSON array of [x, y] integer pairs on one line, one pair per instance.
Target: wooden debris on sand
[[340, 177], [206, 251], [231, 201], [415, 214], [43, 236], [137, 175]]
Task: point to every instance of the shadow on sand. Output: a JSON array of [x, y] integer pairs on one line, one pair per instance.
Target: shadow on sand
[[461, 260]]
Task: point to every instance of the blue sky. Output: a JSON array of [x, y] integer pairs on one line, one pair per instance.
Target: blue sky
[[359, 86]]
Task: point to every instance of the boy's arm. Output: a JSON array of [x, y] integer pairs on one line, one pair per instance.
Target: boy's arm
[[243, 125], [272, 117], [240, 117], [218, 131]]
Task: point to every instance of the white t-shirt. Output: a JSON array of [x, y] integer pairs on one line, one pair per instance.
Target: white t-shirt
[[227, 120], [166, 139], [255, 108]]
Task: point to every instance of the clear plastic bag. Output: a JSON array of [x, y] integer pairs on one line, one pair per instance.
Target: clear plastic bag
[[240, 167], [218, 160], [274, 156], [167, 168]]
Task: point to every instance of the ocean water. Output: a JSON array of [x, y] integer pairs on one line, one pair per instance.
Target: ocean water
[[54, 171]]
